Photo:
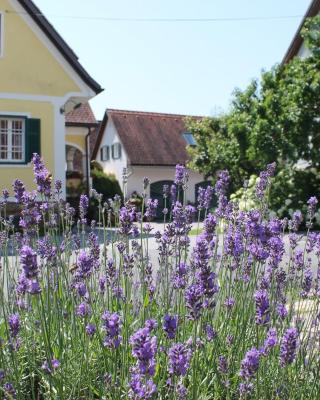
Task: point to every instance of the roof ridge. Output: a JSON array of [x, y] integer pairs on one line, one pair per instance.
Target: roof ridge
[[120, 111]]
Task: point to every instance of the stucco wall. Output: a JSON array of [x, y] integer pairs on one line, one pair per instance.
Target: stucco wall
[[43, 111], [156, 174], [26, 65], [77, 136], [110, 136]]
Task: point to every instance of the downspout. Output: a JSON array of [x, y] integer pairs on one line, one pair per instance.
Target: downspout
[[88, 161]]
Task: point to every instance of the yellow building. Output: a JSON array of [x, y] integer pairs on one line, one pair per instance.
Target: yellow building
[[41, 80]]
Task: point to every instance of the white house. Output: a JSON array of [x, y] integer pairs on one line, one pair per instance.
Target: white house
[[148, 145]]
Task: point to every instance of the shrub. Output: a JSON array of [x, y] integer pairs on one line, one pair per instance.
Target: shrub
[[107, 185]]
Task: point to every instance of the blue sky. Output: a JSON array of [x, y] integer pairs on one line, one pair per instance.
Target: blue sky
[[175, 67]]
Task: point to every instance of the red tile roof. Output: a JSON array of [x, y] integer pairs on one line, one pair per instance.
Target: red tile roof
[[81, 116], [297, 41], [149, 138]]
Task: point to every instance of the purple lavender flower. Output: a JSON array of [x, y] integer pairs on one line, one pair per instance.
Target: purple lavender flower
[[94, 249], [233, 244], [173, 193], [264, 179], [307, 282], [5, 194], [43, 178], [296, 220], [141, 389], [208, 195], [14, 324], [223, 365], [182, 391], [19, 189], [179, 359], [201, 198], [55, 363], [83, 310], [83, 206], [102, 284], [81, 289], [270, 341], [281, 310], [229, 303], [112, 326], [245, 388], [193, 297], [288, 347], [151, 324], [180, 277], [276, 250], [170, 325], [85, 263], [151, 210], [262, 307], [250, 364], [127, 216], [9, 391], [180, 175], [222, 182], [34, 287], [144, 348], [312, 204], [210, 333], [28, 261], [91, 330], [209, 227], [299, 259], [58, 186]]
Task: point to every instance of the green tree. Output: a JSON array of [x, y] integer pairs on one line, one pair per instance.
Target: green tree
[[276, 118]]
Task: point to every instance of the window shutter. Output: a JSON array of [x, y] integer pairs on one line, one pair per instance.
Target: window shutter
[[101, 154], [33, 142], [112, 151], [116, 151]]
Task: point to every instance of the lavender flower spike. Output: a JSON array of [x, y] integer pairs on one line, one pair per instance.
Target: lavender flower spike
[[250, 364], [14, 324], [179, 359], [262, 307], [288, 347], [180, 176]]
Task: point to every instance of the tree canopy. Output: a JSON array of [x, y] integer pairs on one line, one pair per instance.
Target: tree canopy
[[276, 118]]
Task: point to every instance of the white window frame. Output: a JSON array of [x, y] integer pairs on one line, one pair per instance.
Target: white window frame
[[9, 158], [105, 153], [1, 33]]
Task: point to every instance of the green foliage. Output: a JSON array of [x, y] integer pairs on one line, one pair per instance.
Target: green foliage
[[273, 119], [292, 188], [107, 185], [246, 195]]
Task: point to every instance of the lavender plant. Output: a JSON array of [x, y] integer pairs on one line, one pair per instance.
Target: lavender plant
[[91, 313]]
